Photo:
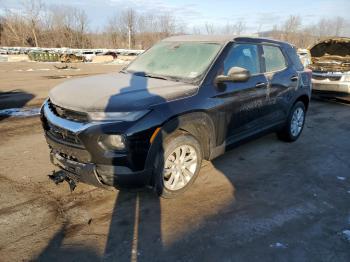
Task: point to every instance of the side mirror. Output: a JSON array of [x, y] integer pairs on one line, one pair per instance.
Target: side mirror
[[235, 74]]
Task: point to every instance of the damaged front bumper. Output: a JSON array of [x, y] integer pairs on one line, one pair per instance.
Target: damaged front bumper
[[97, 175], [76, 161], [74, 172]]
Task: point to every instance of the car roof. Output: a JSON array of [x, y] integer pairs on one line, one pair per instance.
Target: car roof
[[220, 39], [200, 38]]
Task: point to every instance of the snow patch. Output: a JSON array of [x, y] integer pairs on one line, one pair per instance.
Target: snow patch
[[32, 70], [347, 234], [20, 112], [278, 245]]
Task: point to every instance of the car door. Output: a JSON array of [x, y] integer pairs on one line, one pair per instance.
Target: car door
[[243, 102], [282, 80]]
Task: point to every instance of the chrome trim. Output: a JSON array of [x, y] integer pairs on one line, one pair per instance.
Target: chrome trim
[[74, 127], [328, 74]]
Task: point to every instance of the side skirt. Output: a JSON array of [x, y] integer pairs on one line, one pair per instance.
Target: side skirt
[[238, 140]]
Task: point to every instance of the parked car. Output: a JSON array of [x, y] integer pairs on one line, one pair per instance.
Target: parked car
[[331, 68], [3, 51], [305, 56], [88, 56], [72, 58], [186, 99]]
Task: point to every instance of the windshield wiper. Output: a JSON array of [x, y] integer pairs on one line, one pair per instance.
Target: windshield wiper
[[155, 76], [169, 78]]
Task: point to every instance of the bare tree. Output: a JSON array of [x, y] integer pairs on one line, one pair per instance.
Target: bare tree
[[66, 26], [33, 10], [240, 27], [113, 31], [81, 27], [291, 28], [209, 28], [14, 29], [339, 24], [196, 30], [2, 22], [128, 23]]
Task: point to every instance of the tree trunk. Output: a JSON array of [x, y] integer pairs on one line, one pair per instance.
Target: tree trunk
[[34, 34]]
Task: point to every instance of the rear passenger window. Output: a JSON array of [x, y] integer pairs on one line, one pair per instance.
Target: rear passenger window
[[274, 59]]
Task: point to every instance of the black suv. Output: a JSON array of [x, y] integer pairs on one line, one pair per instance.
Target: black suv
[[186, 99]]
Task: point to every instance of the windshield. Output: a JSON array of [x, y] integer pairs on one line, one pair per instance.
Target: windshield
[[186, 60]]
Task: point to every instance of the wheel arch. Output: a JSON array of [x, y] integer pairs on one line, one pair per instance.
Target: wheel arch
[[198, 124], [304, 99]]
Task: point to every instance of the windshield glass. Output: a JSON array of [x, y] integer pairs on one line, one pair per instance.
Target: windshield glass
[[186, 60]]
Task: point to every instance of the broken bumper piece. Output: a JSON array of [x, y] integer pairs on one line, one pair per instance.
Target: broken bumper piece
[[61, 176], [119, 177], [74, 172]]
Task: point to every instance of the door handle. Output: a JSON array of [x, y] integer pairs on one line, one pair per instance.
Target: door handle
[[260, 85], [294, 78]]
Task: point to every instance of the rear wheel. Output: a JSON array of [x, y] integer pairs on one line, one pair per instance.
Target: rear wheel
[[178, 164], [295, 123]]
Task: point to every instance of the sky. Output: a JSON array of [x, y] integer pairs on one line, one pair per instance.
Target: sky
[[254, 13]]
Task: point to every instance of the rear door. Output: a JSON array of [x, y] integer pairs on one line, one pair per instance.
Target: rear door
[[282, 82]]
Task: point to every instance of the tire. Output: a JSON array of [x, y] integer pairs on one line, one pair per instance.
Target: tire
[[179, 144], [290, 133]]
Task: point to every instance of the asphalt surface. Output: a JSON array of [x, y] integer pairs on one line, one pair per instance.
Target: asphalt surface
[[263, 201]]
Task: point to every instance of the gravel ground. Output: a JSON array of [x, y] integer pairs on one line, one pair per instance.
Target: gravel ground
[[263, 201]]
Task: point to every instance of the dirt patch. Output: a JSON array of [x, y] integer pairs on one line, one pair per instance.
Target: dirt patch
[[65, 76], [29, 83]]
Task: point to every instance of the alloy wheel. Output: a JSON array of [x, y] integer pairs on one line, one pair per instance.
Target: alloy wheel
[[297, 121], [180, 167]]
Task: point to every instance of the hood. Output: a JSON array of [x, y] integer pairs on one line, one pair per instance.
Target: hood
[[331, 55], [117, 92], [331, 47]]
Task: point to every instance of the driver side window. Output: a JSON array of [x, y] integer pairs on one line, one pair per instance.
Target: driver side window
[[245, 56]]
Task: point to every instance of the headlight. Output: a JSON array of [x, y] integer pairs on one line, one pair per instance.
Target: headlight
[[346, 77], [117, 116], [114, 142]]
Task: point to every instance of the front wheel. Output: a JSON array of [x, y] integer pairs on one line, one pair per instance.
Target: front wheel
[[178, 164], [295, 123]]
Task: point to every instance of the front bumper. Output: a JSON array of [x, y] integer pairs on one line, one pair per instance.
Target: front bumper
[[75, 151], [101, 176], [332, 87], [80, 172]]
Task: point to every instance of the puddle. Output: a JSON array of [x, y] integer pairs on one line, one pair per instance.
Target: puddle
[[20, 112]]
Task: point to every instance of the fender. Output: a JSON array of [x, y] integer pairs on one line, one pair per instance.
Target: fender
[[198, 124]]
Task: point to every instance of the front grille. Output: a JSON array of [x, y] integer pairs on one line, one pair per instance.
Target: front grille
[[69, 152], [68, 114], [325, 76], [62, 134]]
